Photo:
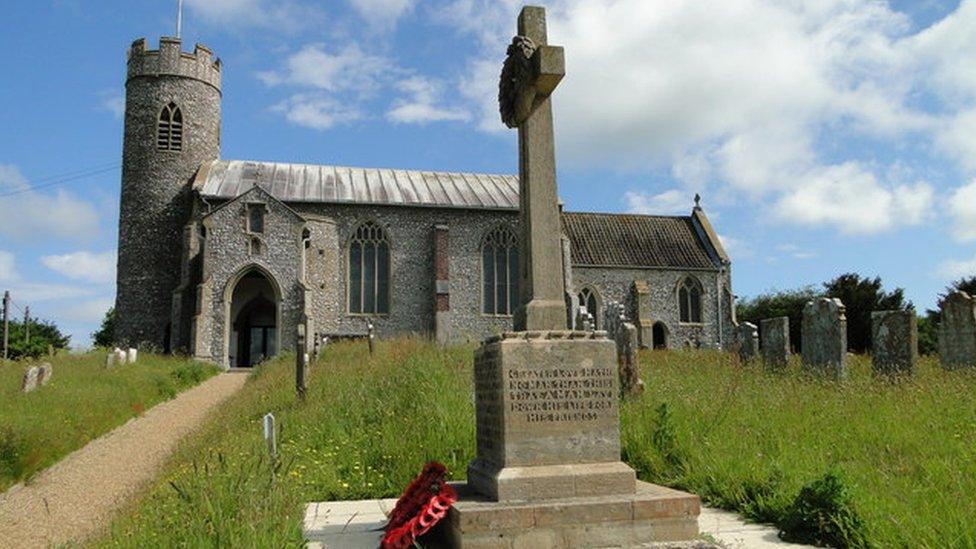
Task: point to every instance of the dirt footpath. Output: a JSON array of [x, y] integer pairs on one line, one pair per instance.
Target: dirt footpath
[[82, 492]]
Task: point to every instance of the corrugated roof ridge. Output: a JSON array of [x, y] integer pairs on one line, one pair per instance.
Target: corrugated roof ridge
[[339, 166]]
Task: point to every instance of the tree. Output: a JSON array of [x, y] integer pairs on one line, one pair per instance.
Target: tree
[[861, 296], [105, 336], [42, 334], [779, 303]]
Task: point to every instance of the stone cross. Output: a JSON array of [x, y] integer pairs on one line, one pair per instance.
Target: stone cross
[[531, 72]]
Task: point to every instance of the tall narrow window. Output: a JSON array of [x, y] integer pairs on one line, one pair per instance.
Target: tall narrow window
[[587, 298], [169, 135], [690, 301], [255, 218], [369, 270], [499, 272]]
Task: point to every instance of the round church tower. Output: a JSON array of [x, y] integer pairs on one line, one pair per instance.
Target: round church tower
[[172, 126]]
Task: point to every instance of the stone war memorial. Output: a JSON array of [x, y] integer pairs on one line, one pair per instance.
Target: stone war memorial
[[548, 471], [824, 337]]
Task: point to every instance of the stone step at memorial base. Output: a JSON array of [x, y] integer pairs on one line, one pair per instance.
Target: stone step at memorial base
[[651, 514]]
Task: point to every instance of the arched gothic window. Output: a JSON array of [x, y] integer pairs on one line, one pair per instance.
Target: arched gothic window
[[588, 299], [690, 301], [499, 272], [369, 270], [169, 134]]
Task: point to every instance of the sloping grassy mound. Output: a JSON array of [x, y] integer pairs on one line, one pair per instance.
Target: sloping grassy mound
[[367, 427], [864, 462], [83, 400]]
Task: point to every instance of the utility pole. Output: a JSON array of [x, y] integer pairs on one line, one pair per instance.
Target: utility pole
[[27, 325], [6, 324]]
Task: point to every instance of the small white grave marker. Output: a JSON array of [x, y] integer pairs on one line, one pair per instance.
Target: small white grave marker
[[269, 435], [132, 356]]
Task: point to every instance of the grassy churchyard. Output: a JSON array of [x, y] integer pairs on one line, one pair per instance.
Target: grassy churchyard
[[741, 438], [83, 400]]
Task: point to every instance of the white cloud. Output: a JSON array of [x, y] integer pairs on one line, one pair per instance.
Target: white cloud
[[419, 106], [744, 94], [90, 311], [347, 69], [382, 14], [315, 111], [736, 247], [281, 15], [8, 267], [87, 266], [669, 202], [31, 214], [113, 102], [962, 209], [956, 269], [795, 251]]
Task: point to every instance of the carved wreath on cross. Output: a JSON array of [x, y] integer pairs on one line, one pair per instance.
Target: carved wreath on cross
[[516, 94]]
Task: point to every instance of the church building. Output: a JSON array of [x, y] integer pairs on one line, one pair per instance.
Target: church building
[[222, 259]]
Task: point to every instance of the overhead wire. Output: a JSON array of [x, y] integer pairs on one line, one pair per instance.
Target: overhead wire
[[67, 177]]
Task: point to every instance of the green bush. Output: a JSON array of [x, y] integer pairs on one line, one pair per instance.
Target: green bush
[[191, 373], [823, 514], [13, 448]]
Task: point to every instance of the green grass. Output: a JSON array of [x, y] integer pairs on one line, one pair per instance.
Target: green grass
[[83, 400], [743, 439]]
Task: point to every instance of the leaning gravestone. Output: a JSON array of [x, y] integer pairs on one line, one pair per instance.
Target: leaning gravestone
[[30, 379], [45, 371], [957, 331], [894, 342], [824, 337], [548, 470], [776, 342], [624, 334], [747, 337]]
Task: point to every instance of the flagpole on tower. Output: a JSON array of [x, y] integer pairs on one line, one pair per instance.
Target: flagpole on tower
[[179, 20]]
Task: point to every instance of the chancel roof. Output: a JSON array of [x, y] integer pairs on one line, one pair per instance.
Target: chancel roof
[[334, 184], [626, 240]]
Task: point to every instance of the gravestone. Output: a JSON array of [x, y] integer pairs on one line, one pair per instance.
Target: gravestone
[[747, 337], [45, 371], [29, 382], [131, 356], [824, 337], [957, 331], [624, 334], [548, 471], [894, 342], [120, 356], [111, 359], [775, 342], [645, 326], [301, 363]]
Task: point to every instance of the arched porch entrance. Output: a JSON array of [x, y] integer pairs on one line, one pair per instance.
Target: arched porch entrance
[[659, 333], [253, 320]]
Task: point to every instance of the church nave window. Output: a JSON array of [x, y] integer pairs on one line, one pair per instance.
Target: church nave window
[[499, 272], [587, 298], [369, 271], [690, 301], [255, 218], [169, 134]]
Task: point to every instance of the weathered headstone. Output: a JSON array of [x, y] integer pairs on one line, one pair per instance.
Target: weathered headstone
[[775, 342], [301, 363], [548, 471], [132, 356], [894, 342], [747, 338], [957, 331], [111, 359], [270, 438], [824, 337], [624, 334], [29, 382], [45, 371], [645, 325], [370, 337], [120, 356]]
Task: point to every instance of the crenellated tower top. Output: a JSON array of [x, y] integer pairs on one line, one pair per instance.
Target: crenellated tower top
[[171, 60]]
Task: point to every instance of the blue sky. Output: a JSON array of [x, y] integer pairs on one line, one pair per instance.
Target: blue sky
[[825, 136]]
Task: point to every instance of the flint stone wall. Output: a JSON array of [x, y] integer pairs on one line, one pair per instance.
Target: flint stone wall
[[894, 340], [775, 341], [824, 333], [957, 331]]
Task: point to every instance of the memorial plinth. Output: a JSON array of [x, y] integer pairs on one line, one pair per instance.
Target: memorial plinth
[[548, 470]]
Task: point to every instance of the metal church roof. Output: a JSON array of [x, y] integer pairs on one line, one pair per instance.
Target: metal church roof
[[333, 184]]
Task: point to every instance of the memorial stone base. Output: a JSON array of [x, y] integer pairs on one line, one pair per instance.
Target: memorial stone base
[[548, 470]]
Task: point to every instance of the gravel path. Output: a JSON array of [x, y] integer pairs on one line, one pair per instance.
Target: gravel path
[[81, 493]]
